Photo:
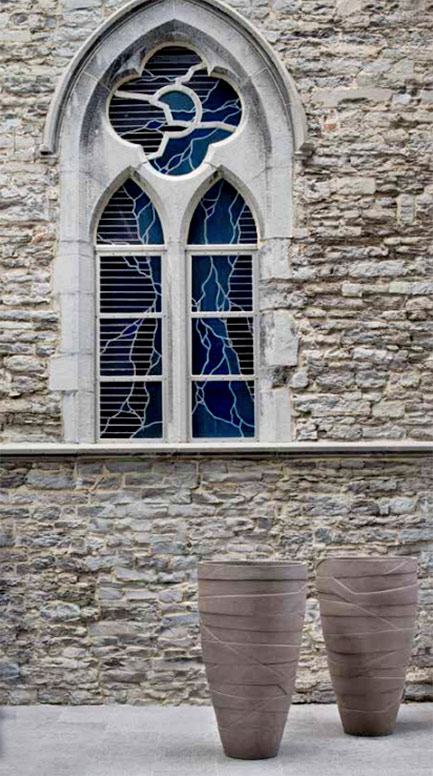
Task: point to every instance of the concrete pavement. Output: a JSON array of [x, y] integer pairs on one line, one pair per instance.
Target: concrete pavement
[[167, 740]]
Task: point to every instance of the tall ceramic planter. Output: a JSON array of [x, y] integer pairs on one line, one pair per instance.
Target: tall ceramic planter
[[368, 611], [251, 616]]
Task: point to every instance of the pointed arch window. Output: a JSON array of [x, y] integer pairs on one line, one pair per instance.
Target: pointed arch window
[[177, 128], [220, 297], [175, 111]]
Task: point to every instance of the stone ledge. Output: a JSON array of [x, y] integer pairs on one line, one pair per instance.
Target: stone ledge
[[220, 448]]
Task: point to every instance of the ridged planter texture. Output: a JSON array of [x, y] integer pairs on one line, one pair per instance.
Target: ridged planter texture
[[251, 617], [368, 611]]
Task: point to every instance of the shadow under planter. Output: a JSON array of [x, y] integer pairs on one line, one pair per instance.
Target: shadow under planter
[[368, 612], [251, 618]]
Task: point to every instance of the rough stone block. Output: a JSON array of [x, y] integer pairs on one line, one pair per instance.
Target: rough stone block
[[357, 186], [281, 339], [300, 379], [333, 97], [406, 208], [349, 7]]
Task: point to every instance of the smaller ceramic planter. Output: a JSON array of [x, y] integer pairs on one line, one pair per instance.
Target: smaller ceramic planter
[[251, 617], [368, 612]]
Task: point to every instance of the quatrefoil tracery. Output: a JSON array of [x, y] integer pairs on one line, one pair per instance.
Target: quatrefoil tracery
[[175, 110]]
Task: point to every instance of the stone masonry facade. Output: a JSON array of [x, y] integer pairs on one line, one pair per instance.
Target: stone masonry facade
[[99, 562], [360, 287], [99, 554]]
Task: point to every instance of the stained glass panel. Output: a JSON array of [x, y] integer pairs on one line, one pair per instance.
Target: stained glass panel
[[222, 346], [130, 319], [130, 348], [130, 217], [175, 110], [223, 409], [130, 284], [130, 410], [222, 217], [222, 283]]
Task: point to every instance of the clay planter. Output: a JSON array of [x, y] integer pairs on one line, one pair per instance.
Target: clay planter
[[368, 611], [251, 617]]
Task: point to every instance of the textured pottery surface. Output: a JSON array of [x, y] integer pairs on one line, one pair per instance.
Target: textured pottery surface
[[251, 617], [368, 610]]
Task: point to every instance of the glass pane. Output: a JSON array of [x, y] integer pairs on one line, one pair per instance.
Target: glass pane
[[181, 105], [218, 98], [130, 217], [185, 154], [223, 409], [222, 346], [175, 110], [131, 410], [130, 348], [130, 284], [222, 217], [169, 64], [222, 283]]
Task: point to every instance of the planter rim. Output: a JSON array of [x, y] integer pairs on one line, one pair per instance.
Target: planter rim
[[270, 563], [262, 570], [358, 566], [363, 558]]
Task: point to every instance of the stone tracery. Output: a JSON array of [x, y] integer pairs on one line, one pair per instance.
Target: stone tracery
[[175, 110]]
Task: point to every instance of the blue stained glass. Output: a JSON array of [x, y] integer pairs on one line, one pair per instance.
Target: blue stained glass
[[158, 110], [223, 409], [185, 154], [130, 348], [131, 410], [167, 65], [181, 105], [222, 346], [222, 283], [222, 217], [138, 123], [130, 284], [219, 100], [130, 217]]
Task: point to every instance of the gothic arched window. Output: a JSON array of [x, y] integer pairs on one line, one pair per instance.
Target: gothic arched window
[[177, 145]]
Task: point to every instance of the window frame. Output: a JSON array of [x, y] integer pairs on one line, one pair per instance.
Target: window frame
[[93, 163], [178, 277]]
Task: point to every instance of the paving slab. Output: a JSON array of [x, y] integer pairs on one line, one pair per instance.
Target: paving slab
[[183, 740]]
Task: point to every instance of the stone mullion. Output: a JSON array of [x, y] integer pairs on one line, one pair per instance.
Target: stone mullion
[[176, 401]]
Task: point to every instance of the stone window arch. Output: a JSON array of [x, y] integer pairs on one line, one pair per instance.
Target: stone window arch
[[254, 156]]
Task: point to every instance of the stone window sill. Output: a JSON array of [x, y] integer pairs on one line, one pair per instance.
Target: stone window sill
[[217, 448]]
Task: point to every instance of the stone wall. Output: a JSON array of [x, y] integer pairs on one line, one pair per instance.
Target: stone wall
[[99, 558], [361, 283]]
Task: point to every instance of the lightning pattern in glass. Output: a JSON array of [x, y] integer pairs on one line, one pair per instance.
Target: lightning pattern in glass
[[222, 346], [130, 217], [131, 410], [130, 284], [130, 348], [223, 409], [130, 319], [222, 283], [175, 110], [222, 217], [222, 317]]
